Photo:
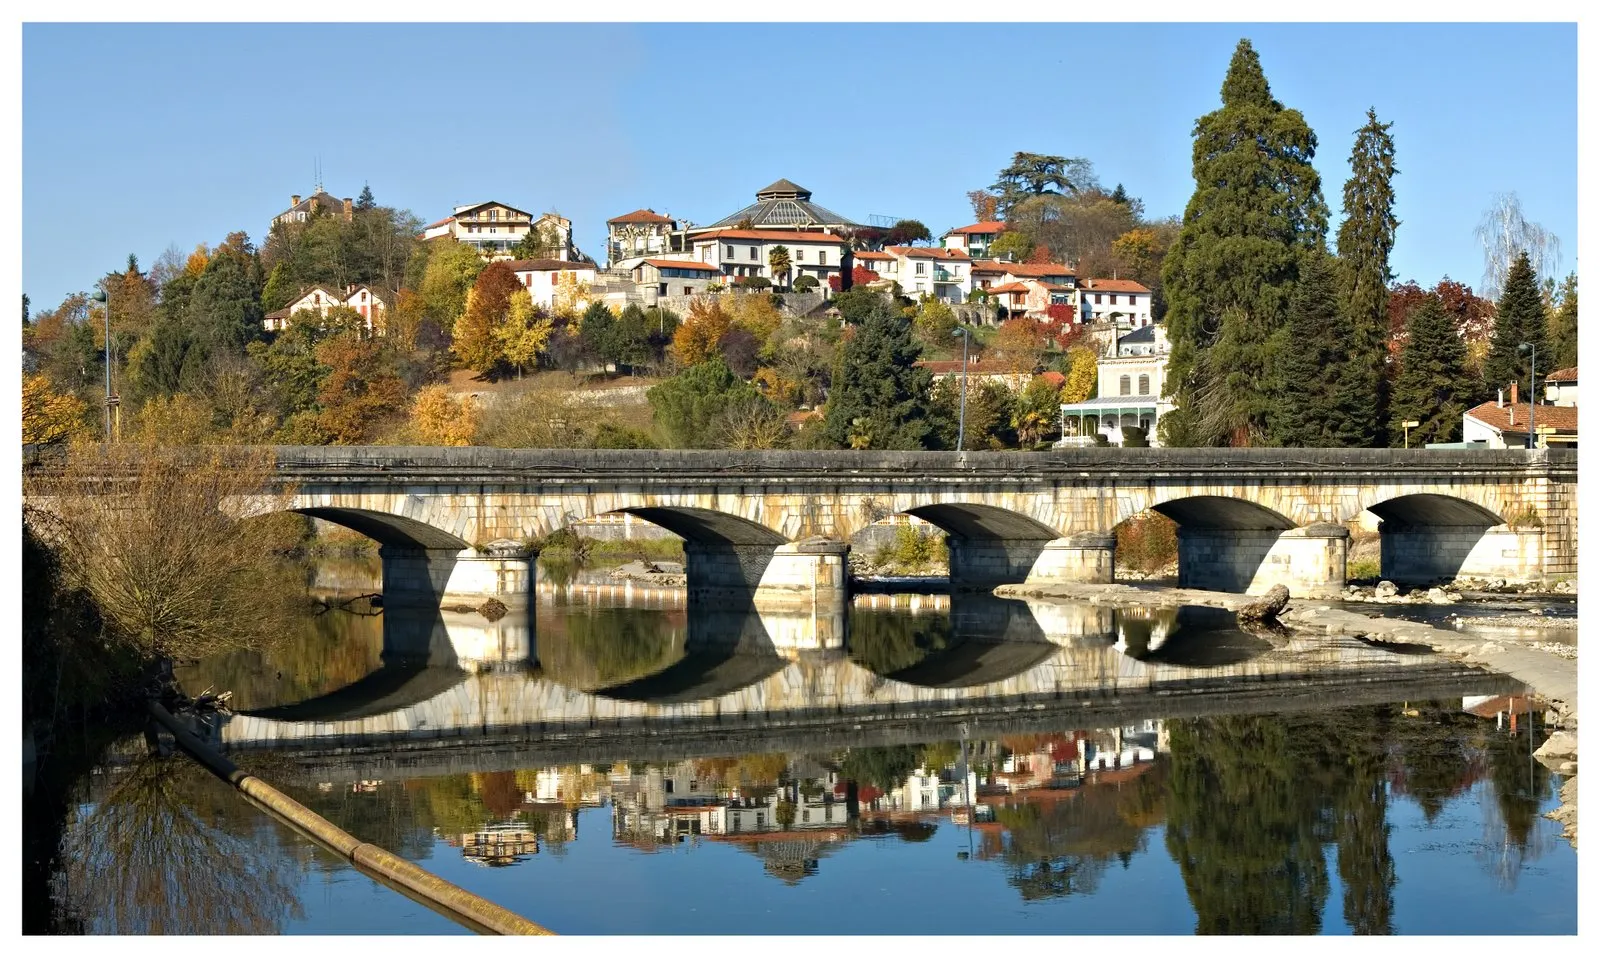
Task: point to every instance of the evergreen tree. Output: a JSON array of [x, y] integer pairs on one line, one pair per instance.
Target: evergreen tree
[[1319, 393], [25, 320], [225, 308], [1564, 327], [630, 338], [690, 405], [1519, 318], [365, 201], [1119, 195], [1433, 386], [1257, 206], [597, 333], [1366, 238], [880, 397]]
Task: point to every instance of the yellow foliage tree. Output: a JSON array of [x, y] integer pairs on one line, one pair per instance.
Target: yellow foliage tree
[[696, 338], [49, 416], [569, 293], [755, 313], [176, 420], [196, 263], [776, 386], [1082, 372], [522, 337], [443, 419]]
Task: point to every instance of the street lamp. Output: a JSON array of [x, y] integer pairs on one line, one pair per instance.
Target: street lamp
[[1533, 363], [1409, 425], [961, 425], [101, 297]]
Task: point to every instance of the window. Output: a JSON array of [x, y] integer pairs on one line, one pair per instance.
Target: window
[[1144, 384], [822, 257], [755, 252], [669, 786], [688, 291], [1126, 385], [921, 268], [799, 255], [729, 248], [1099, 299]]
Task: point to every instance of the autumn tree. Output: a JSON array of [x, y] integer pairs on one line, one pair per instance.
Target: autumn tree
[[1083, 371], [985, 206], [452, 270], [523, 335], [1433, 386], [908, 233], [48, 416], [880, 396], [935, 324], [1013, 245], [359, 392], [1020, 344], [1366, 238], [1519, 317], [697, 336], [441, 418], [1257, 206], [476, 340]]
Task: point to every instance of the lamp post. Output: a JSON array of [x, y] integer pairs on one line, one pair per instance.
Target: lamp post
[[1533, 363], [100, 296], [961, 424], [1409, 425]]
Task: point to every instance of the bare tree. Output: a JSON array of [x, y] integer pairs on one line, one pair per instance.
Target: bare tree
[[1503, 232]]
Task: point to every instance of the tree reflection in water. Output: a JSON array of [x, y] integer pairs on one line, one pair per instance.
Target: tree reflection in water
[[172, 850], [886, 644]]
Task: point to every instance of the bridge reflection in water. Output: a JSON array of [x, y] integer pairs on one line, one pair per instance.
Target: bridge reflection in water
[[672, 679]]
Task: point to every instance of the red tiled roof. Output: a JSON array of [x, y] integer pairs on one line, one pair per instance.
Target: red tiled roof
[[1055, 287], [1569, 375], [640, 216], [1035, 270], [681, 264], [926, 252], [993, 226], [1052, 377], [1563, 418], [1115, 286], [447, 219], [783, 236], [870, 254], [990, 266], [1009, 288], [542, 265]]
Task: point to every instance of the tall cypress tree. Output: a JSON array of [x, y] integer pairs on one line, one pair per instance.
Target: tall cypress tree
[[1518, 318], [1257, 206], [880, 397], [1319, 391], [1564, 327], [1366, 237], [1433, 387]]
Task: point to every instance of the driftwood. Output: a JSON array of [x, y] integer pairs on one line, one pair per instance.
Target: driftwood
[[1268, 608]]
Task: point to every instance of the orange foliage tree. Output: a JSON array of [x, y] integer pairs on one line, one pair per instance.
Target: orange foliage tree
[[696, 338], [361, 389], [487, 305]]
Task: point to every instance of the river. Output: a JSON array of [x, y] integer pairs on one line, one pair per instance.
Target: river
[[617, 763]]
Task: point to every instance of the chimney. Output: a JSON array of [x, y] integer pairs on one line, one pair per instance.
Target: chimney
[[349, 206], [1511, 414], [1513, 394], [1499, 399], [294, 200]]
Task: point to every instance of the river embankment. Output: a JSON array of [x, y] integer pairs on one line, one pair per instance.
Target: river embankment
[[1549, 669]]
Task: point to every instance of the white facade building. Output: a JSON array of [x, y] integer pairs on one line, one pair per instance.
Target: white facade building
[[1129, 393], [540, 277], [1121, 300], [746, 253]]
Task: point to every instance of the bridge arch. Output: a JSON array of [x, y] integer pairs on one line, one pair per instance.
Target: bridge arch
[[1432, 537], [387, 529], [1226, 543]]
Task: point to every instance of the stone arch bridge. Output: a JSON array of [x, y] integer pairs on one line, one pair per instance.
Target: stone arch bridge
[[459, 524]]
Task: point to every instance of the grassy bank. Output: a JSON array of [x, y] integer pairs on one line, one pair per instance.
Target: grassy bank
[[566, 546]]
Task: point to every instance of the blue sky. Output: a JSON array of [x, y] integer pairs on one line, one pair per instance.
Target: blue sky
[[141, 136]]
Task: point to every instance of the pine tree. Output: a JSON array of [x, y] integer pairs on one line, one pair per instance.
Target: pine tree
[[1366, 238], [1564, 327], [365, 200], [879, 398], [1256, 208], [1319, 395], [1433, 387], [1519, 318]]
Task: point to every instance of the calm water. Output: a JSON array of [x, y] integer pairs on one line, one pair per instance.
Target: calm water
[[966, 767]]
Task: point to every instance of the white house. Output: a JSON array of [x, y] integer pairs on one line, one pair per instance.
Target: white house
[[494, 229], [944, 274], [1561, 387], [1129, 394], [370, 302], [642, 233], [974, 240], [1502, 423], [738, 252], [1101, 300], [540, 277], [656, 278]]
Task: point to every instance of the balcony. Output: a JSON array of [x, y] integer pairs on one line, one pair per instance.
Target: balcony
[[945, 276]]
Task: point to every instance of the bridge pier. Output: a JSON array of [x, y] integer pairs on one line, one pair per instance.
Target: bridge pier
[[1421, 555], [978, 565], [1309, 561], [435, 578], [800, 575], [1084, 557]]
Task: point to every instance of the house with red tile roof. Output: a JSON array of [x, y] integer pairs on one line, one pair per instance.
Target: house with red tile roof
[[1502, 423], [944, 274], [1561, 387], [643, 232], [1122, 301], [494, 228], [974, 240], [748, 252]]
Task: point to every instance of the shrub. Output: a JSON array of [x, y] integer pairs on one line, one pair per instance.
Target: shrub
[[752, 282], [806, 283], [1148, 542]]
